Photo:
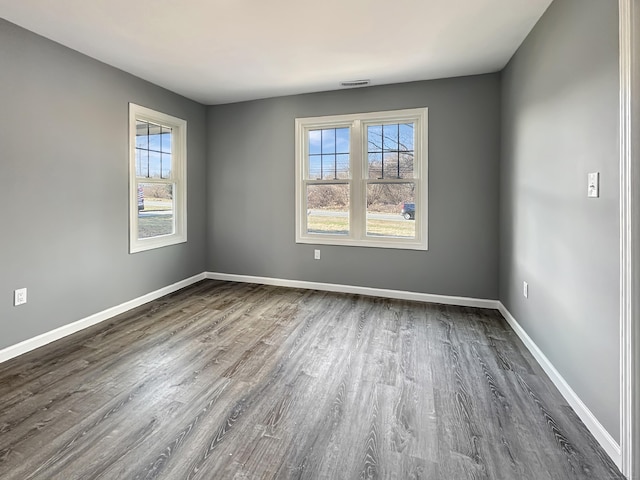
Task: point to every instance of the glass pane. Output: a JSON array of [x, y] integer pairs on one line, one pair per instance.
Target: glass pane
[[406, 137], [154, 164], [328, 209], [315, 167], [315, 142], [374, 138], [324, 164], [142, 140], [390, 165], [342, 163], [395, 165], [142, 163], [391, 210], [390, 138], [328, 167], [165, 161], [406, 165], [397, 143], [151, 139], [154, 137], [342, 140], [155, 209], [329, 141], [166, 140], [375, 165]]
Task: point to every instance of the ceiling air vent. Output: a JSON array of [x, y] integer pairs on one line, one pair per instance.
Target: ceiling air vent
[[355, 83]]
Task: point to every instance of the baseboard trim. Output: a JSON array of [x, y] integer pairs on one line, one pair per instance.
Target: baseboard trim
[[372, 292], [53, 335], [588, 418]]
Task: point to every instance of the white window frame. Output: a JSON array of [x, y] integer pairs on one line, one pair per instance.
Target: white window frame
[[358, 180], [178, 178]]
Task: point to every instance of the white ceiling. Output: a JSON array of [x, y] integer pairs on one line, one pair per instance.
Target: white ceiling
[[221, 51]]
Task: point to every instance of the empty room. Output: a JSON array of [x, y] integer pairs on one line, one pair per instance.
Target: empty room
[[351, 240]]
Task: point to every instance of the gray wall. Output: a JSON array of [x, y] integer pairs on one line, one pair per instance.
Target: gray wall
[[63, 190], [251, 190], [560, 121], [64, 186]]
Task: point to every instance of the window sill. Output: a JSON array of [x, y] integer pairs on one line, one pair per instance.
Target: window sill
[[396, 244]]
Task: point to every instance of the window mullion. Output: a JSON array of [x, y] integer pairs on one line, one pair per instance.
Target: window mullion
[[356, 204]]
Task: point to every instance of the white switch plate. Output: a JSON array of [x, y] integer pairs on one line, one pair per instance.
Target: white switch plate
[[316, 254], [20, 296], [594, 185], [525, 289]]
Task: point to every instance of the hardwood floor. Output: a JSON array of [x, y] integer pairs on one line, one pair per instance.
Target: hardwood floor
[[238, 381]]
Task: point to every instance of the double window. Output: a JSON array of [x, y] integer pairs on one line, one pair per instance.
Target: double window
[[362, 179], [157, 183]]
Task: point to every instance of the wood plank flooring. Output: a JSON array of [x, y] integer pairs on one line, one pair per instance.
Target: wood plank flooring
[[238, 381]]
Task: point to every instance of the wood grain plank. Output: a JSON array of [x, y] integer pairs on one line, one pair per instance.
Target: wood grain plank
[[239, 381]]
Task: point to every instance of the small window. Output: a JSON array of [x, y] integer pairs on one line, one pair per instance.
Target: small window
[[158, 167], [362, 179]]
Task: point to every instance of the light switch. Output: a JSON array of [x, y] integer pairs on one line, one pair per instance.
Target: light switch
[[594, 185]]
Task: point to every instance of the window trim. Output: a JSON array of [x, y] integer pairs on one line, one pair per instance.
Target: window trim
[[178, 179], [358, 180]]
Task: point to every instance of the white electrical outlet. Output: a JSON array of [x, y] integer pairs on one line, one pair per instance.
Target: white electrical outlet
[[20, 296], [316, 254], [525, 289]]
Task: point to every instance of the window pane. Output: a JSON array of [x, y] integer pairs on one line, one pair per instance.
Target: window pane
[[154, 164], [342, 165], [151, 139], [342, 140], [154, 137], [142, 139], [375, 165], [328, 209], [315, 142], [324, 144], [374, 138], [406, 165], [391, 210], [315, 167], [396, 141], [165, 160], [406, 137], [329, 140], [390, 165], [155, 209], [142, 163], [390, 138], [328, 167]]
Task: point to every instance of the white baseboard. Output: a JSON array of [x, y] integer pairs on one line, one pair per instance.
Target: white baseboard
[[58, 333], [372, 292], [588, 418]]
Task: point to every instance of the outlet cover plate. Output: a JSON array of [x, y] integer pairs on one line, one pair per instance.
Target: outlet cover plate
[[20, 297]]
